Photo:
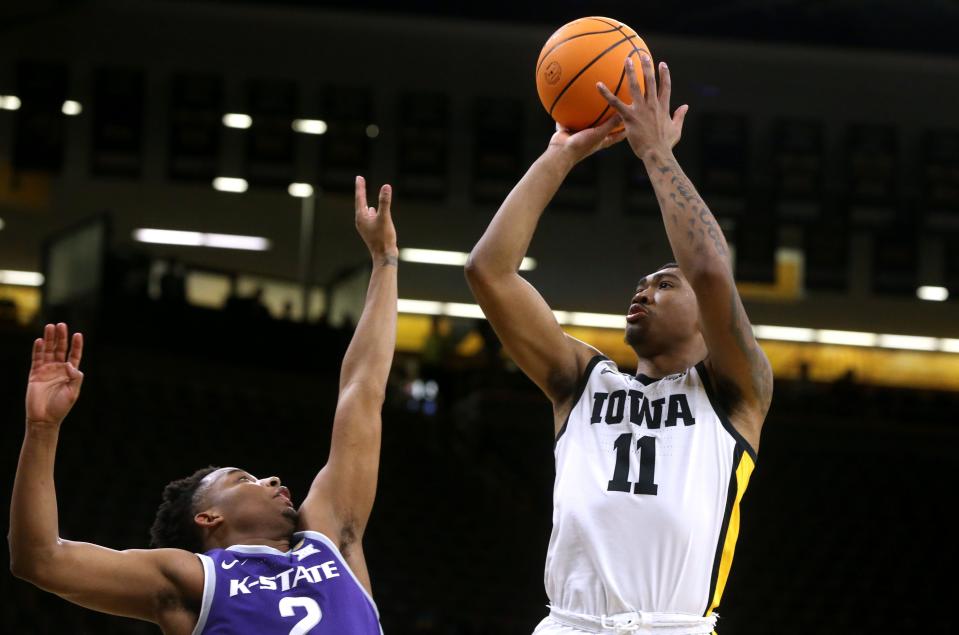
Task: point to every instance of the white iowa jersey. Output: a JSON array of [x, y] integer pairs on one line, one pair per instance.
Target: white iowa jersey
[[649, 476]]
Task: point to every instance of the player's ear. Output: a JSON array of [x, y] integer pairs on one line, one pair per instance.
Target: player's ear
[[208, 519]]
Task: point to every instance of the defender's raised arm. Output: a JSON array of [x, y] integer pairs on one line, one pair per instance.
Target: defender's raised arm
[[129, 583], [341, 498]]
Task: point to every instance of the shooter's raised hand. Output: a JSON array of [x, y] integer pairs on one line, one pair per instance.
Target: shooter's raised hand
[[579, 145], [375, 225], [55, 377], [649, 126]]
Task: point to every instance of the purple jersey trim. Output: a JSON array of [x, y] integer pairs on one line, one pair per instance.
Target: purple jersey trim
[[209, 579]]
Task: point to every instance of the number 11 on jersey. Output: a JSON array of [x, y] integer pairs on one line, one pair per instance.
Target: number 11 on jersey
[[647, 465]]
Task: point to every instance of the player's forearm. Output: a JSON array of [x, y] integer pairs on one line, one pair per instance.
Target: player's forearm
[[370, 353], [696, 239], [34, 529], [505, 242]]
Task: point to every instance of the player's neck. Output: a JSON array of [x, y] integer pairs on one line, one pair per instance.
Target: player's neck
[[232, 538], [667, 362]]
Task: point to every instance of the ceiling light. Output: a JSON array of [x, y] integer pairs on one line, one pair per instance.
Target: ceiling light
[[784, 333], [230, 184], [423, 307], [72, 108], [198, 239], [453, 258], [309, 126], [909, 342], [9, 102], [21, 278], [300, 190], [846, 338], [947, 345], [237, 120], [232, 241], [933, 294], [598, 320]]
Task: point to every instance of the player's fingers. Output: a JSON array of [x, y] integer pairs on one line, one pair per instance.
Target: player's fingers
[[61, 346], [76, 350], [609, 125], [386, 198], [649, 76], [360, 195], [37, 353], [665, 86], [680, 115], [49, 334], [613, 100], [634, 88], [615, 138], [73, 373]]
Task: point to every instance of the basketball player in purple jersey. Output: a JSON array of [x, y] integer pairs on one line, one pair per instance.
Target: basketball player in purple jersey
[[651, 467], [265, 567]]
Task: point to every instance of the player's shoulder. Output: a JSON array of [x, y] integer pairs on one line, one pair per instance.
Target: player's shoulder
[[182, 568], [587, 357]]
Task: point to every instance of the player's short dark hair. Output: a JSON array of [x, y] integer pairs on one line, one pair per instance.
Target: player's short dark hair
[[173, 525], [669, 265]]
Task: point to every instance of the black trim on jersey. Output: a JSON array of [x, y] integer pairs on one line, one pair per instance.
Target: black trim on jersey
[[730, 502], [721, 412], [646, 379], [580, 388]]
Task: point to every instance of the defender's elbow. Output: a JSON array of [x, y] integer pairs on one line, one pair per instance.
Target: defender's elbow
[[22, 568], [479, 270], [29, 565], [473, 268]]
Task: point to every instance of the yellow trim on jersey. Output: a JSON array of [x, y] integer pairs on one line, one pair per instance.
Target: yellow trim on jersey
[[743, 472]]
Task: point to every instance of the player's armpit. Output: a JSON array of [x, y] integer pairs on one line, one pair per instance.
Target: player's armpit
[[532, 337], [146, 584], [736, 362]]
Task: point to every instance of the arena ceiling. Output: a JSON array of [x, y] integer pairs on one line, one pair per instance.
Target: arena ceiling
[[918, 25]]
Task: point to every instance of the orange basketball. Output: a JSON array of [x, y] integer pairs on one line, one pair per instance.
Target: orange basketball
[[578, 55]]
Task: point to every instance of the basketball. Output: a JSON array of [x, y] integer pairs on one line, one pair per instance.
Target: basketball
[[578, 55]]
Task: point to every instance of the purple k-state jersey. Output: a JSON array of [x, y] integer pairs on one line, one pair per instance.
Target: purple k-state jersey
[[259, 590]]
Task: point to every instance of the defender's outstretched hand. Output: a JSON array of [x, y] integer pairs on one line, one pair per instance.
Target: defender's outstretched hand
[[376, 225], [647, 120], [55, 377], [582, 144]]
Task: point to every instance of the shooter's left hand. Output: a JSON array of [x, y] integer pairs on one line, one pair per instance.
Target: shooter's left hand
[[649, 128]]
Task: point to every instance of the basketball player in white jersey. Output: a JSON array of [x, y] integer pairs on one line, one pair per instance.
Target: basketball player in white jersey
[[282, 569], [650, 469]]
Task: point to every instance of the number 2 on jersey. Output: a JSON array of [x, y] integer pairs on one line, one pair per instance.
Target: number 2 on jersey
[[313, 613], [647, 465]]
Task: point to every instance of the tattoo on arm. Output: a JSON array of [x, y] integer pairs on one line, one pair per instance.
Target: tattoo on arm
[[389, 260], [760, 375], [702, 225]]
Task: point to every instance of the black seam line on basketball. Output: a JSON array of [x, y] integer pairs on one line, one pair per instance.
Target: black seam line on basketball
[[583, 70], [572, 37], [619, 84], [620, 29], [617, 27]]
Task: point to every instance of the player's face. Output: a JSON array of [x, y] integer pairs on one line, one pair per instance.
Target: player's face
[[247, 503], [663, 309]]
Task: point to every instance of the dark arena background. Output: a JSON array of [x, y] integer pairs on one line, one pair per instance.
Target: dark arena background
[[823, 134]]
